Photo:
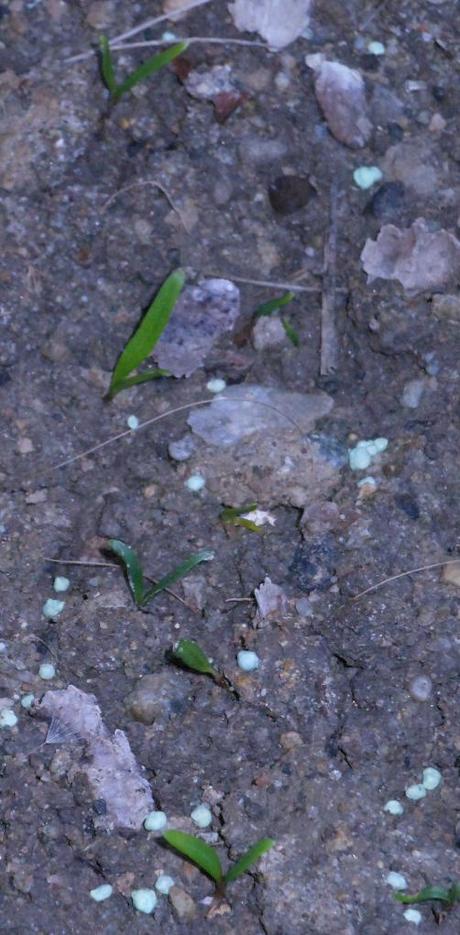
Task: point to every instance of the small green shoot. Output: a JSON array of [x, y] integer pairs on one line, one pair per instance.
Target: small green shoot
[[207, 860], [274, 305], [235, 516], [291, 332], [190, 655], [440, 893], [142, 342], [143, 595], [147, 68]]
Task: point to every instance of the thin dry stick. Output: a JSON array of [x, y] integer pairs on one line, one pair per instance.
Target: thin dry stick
[[329, 339], [155, 184], [291, 286], [403, 574], [207, 40], [64, 561], [171, 412], [147, 24]]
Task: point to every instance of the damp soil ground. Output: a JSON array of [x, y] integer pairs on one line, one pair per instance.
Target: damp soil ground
[[328, 729]]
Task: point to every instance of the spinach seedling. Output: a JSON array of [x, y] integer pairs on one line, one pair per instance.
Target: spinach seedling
[[448, 895], [206, 859], [190, 655], [141, 593], [146, 335], [274, 305], [147, 68]]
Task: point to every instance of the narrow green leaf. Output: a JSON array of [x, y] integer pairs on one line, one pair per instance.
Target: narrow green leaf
[[267, 308], [149, 67], [142, 342], [143, 377], [429, 892], [454, 893], [291, 332], [196, 850], [108, 74], [250, 857], [205, 555], [230, 513], [191, 655], [133, 568]]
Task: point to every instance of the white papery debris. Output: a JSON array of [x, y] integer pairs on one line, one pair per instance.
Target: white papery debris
[[278, 21]]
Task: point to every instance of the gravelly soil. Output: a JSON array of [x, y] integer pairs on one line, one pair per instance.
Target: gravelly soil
[[327, 730]]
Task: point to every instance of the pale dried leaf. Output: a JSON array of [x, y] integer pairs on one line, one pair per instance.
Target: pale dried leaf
[[419, 258], [278, 21]]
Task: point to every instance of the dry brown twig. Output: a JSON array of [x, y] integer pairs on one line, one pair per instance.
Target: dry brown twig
[[329, 339]]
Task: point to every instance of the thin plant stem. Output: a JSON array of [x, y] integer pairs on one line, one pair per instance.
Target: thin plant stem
[[146, 24], [403, 574], [204, 40], [171, 412]]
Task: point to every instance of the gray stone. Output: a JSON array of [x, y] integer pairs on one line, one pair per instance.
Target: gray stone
[[267, 333], [250, 408], [157, 695], [446, 306], [183, 904]]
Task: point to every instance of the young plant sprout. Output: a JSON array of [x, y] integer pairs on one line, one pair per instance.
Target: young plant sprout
[[146, 335], [190, 655], [449, 895], [235, 516], [206, 859], [147, 68], [143, 595]]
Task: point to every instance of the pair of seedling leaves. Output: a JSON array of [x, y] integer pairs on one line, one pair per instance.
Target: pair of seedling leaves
[[207, 860]]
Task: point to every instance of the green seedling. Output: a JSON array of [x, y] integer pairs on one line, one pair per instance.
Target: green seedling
[[207, 860], [291, 332], [141, 593], [147, 68], [235, 516], [146, 335], [190, 655], [449, 895], [274, 305]]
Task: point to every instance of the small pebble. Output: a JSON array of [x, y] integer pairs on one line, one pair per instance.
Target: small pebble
[[195, 482], [182, 903], [27, 701], [132, 422], [431, 778], [99, 893], [376, 48], [216, 385], [52, 608], [415, 792], [413, 915], [421, 687], [155, 821], [164, 884], [61, 584], [47, 671], [396, 881], [144, 900], [412, 393], [362, 455], [8, 718], [247, 660], [393, 807], [201, 816], [366, 176]]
